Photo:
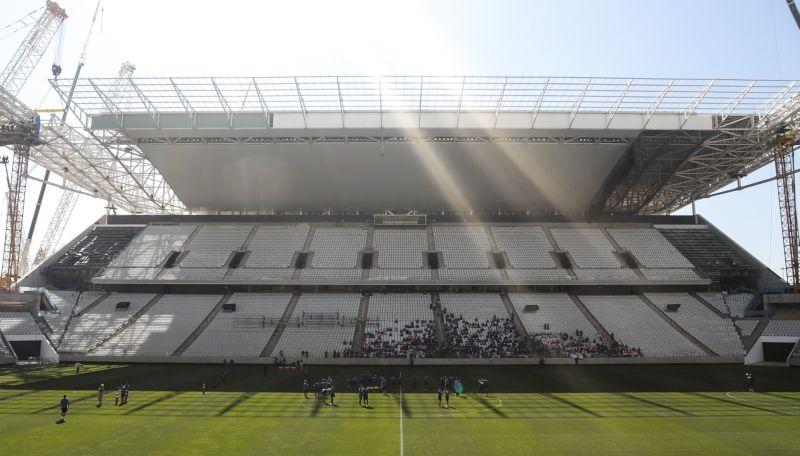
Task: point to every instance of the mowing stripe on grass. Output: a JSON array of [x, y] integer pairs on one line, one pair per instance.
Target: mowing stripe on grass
[[571, 404], [152, 402], [656, 404], [237, 401], [740, 404]]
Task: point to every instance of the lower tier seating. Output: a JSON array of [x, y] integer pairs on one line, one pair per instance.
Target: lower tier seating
[[630, 320]]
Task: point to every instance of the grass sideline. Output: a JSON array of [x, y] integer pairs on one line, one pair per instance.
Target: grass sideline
[[687, 409]]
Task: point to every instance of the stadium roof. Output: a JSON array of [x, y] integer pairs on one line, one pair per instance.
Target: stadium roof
[[477, 144]]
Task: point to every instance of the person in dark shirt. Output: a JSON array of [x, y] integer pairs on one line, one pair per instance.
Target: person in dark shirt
[[446, 398], [439, 395], [64, 404], [101, 391], [366, 397], [305, 389]]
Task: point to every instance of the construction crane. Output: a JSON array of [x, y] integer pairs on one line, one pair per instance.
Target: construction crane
[[21, 133], [783, 146], [69, 196], [25, 254]]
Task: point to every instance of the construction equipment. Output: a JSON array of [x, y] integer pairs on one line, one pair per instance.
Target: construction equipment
[[21, 132], [69, 196], [33, 47], [24, 256], [783, 148]]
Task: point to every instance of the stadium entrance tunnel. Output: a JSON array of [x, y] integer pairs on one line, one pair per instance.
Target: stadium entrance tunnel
[[499, 260], [777, 351], [301, 260], [27, 349], [367, 259], [237, 259], [627, 259], [172, 259], [562, 260], [432, 260]]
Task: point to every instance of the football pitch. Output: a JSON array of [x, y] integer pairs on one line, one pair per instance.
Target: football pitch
[[529, 410]]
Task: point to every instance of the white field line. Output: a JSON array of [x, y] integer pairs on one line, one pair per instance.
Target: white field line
[[401, 421]]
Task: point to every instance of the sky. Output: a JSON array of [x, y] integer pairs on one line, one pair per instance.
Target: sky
[[753, 39]]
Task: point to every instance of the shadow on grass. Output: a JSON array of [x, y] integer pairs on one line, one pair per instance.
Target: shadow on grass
[[505, 379]]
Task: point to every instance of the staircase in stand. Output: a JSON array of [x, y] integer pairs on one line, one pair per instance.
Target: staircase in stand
[[202, 326], [280, 327], [127, 323]]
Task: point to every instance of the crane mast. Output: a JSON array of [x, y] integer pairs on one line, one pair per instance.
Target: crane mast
[[20, 132]]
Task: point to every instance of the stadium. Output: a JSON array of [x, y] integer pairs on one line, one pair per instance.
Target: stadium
[[509, 239]]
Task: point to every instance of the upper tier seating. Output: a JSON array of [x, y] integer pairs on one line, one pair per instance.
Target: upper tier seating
[[555, 310], [274, 246], [163, 328], [18, 324], [630, 320], [716, 333], [213, 245], [337, 247], [650, 248], [669, 274], [245, 332], [101, 321], [400, 248], [400, 274], [606, 274], [98, 247], [525, 247], [538, 274], [462, 247], [152, 246], [588, 247], [784, 328], [321, 322]]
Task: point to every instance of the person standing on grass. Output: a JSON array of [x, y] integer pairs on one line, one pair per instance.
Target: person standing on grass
[[305, 389], [77, 368], [116, 396], [446, 398], [360, 395], [366, 397], [100, 393], [204, 388], [64, 404], [439, 395]]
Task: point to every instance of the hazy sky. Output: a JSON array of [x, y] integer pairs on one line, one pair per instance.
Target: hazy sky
[[623, 38]]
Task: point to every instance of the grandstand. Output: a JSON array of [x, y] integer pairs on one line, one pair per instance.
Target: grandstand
[[443, 289], [369, 257]]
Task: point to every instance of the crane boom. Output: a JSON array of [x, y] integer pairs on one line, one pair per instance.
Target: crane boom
[[34, 45]]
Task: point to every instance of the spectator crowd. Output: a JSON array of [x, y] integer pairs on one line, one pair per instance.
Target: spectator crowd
[[417, 337], [496, 337], [562, 344]]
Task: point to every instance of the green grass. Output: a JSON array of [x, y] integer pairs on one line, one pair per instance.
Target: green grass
[[552, 410]]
